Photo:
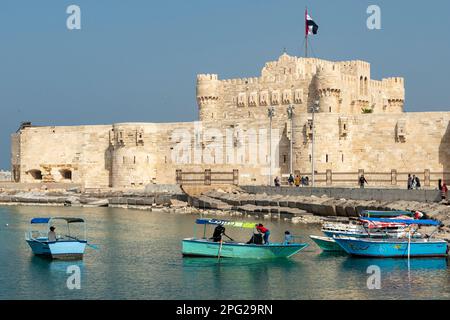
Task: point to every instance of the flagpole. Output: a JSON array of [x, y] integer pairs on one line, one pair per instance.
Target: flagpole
[[306, 32], [306, 46]]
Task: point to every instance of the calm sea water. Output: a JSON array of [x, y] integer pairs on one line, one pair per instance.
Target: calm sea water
[[139, 258]]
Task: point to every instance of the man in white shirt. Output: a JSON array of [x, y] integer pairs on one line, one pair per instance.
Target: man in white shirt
[[51, 235]]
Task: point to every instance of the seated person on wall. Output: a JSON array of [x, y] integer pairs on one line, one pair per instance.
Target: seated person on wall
[[51, 235], [218, 232]]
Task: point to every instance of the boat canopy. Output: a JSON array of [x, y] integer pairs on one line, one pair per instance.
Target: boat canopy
[[46, 220], [39, 220], [236, 224], [381, 214], [406, 221]]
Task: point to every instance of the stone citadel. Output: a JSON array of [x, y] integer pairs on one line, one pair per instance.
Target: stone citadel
[[360, 127]]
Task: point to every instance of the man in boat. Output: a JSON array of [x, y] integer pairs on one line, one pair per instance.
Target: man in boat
[[51, 234], [264, 231], [218, 232]]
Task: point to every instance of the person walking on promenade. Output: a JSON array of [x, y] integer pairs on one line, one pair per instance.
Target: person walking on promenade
[[444, 191], [277, 182], [291, 180], [418, 185], [362, 181], [413, 182], [409, 182], [297, 181]]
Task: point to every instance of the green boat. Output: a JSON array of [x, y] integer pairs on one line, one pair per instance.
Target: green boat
[[204, 247], [387, 214]]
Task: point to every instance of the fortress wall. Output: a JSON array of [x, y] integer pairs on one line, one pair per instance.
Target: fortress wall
[[372, 142], [46, 151], [378, 143]]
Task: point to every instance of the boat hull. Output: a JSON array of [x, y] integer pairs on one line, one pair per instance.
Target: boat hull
[[393, 248], [58, 250], [202, 248], [327, 244]]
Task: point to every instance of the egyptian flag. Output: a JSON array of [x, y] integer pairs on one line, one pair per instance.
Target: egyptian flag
[[311, 26]]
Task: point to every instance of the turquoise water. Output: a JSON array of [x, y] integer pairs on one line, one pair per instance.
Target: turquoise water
[[139, 258]]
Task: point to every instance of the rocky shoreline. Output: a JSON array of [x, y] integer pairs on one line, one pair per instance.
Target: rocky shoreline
[[233, 202]]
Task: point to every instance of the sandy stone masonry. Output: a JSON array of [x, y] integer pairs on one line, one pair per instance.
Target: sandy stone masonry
[[361, 128]]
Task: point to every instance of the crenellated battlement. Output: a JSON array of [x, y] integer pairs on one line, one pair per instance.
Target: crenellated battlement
[[394, 82], [207, 77], [343, 86]]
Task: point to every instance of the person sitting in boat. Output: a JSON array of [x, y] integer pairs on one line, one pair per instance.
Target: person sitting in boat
[[256, 239], [264, 231], [218, 232], [51, 234], [288, 238]]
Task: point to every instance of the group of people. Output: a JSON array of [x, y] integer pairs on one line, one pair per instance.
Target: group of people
[[298, 181], [413, 182], [260, 237]]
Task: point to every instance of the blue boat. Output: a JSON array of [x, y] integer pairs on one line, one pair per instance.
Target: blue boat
[[204, 247], [395, 248], [65, 246]]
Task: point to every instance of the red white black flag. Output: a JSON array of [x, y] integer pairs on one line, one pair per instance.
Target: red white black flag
[[310, 25]]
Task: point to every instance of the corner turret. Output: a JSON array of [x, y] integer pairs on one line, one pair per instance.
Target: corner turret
[[207, 95], [328, 85]]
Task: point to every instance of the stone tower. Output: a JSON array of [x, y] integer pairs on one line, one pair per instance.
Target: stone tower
[[207, 96], [131, 163], [328, 85], [395, 95]]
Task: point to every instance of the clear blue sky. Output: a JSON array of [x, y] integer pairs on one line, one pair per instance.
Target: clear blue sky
[[137, 60]]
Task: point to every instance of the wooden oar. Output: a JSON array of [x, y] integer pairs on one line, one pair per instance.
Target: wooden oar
[[228, 237], [220, 250], [88, 244]]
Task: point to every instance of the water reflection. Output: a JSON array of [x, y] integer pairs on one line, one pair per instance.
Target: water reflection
[[140, 258]]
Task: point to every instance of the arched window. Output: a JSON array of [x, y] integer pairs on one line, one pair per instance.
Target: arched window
[[366, 86], [361, 86]]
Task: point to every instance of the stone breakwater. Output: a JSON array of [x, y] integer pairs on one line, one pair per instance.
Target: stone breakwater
[[232, 202], [311, 209], [90, 199]]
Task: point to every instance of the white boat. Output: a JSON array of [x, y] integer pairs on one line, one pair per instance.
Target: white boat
[[327, 244], [364, 230], [65, 246]]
